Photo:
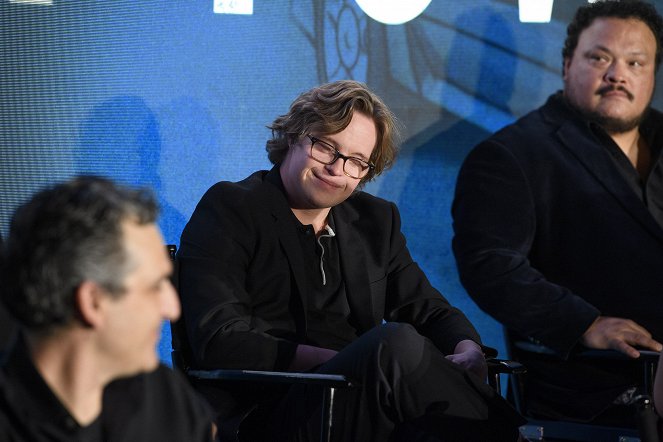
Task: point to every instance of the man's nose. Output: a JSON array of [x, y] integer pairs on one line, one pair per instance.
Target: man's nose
[[336, 168], [615, 72], [170, 303]]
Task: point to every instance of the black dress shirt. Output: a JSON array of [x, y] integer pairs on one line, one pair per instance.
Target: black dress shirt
[[329, 315], [650, 188], [156, 406]]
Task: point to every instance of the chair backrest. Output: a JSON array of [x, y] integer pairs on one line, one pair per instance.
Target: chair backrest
[[8, 325], [181, 355]]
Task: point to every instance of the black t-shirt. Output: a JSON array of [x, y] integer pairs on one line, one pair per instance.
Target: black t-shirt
[[328, 314], [157, 406]]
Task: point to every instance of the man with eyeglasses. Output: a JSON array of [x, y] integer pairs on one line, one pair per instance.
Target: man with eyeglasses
[[295, 269]]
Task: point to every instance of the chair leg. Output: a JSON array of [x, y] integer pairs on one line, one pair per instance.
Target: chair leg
[[648, 380], [495, 382], [647, 419], [327, 413]]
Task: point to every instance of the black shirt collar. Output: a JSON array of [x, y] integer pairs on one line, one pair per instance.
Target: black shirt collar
[[27, 393]]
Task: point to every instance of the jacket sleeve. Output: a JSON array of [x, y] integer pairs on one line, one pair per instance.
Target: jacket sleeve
[[217, 247], [412, 299], [495, 229]]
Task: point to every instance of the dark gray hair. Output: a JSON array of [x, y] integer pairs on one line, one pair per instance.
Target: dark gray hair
[[65, 235]]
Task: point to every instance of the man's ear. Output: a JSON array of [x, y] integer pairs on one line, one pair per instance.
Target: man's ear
[[565, 67], [89, 304]]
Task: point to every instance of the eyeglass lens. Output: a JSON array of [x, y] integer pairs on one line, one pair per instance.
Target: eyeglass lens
[[327, 154]]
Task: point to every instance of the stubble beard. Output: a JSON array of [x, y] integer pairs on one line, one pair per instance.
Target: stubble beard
[[613, 125]]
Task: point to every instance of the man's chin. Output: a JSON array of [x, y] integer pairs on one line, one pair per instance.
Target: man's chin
[[146, 367], [152, 364], [614, 125]]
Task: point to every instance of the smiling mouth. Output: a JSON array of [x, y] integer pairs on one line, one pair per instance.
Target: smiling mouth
[[327, 182]]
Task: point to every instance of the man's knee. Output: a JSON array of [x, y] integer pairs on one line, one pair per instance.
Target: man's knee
[[398, 334], [391, 347], [401, 344]]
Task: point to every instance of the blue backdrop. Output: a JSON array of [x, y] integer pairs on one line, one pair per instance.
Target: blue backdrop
[[169, 94]]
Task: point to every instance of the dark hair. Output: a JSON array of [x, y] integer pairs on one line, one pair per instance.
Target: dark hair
[[65, 235], [328, 110], [624, 9]]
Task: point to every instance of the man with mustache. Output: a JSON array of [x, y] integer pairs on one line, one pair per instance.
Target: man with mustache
[[558, 217]]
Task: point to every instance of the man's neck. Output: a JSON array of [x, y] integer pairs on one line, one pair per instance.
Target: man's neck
[[70, 371], [636, 150], [315, 217]]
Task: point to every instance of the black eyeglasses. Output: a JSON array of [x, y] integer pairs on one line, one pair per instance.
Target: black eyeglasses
[[325, 153]]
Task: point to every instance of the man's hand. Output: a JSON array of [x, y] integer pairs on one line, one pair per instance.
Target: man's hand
[[468, 354], [619, 334], [308, 356]]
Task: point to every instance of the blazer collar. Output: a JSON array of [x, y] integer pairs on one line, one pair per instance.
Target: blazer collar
[[580, 141]]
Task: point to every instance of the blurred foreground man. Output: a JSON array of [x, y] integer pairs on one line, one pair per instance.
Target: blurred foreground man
[[86, 275]]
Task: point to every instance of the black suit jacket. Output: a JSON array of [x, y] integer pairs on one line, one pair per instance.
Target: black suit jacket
[[548, 234], [244, 287]]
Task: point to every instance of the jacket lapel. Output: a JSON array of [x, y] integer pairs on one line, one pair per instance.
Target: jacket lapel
[[272, 197], [353, 266], [599, 165]]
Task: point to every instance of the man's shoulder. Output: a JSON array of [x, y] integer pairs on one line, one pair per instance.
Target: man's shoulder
[[12, 429], [655, 117], [245, 186], [16, 423], [7, 420], [160, 398], [535, 124], [238, 194], [366, 208], [364, 201], [658, 113], [536, 133], [159, 382]]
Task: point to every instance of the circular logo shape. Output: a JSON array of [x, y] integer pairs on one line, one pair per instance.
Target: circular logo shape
[[393, 12]]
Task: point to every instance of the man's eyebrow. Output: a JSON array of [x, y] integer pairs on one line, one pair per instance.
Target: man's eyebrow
[[333, 143], [636, 52], [597, 48]]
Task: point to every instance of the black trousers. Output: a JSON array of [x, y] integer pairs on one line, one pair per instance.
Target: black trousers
[[408, 391]]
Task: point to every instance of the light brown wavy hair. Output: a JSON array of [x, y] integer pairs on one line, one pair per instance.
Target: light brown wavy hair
[[327, 110]]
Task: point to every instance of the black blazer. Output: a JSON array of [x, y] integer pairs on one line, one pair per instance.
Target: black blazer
[[548, 234], [243, 282]]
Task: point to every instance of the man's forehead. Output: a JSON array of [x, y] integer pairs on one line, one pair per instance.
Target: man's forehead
[[605, 23], [142, 241]]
